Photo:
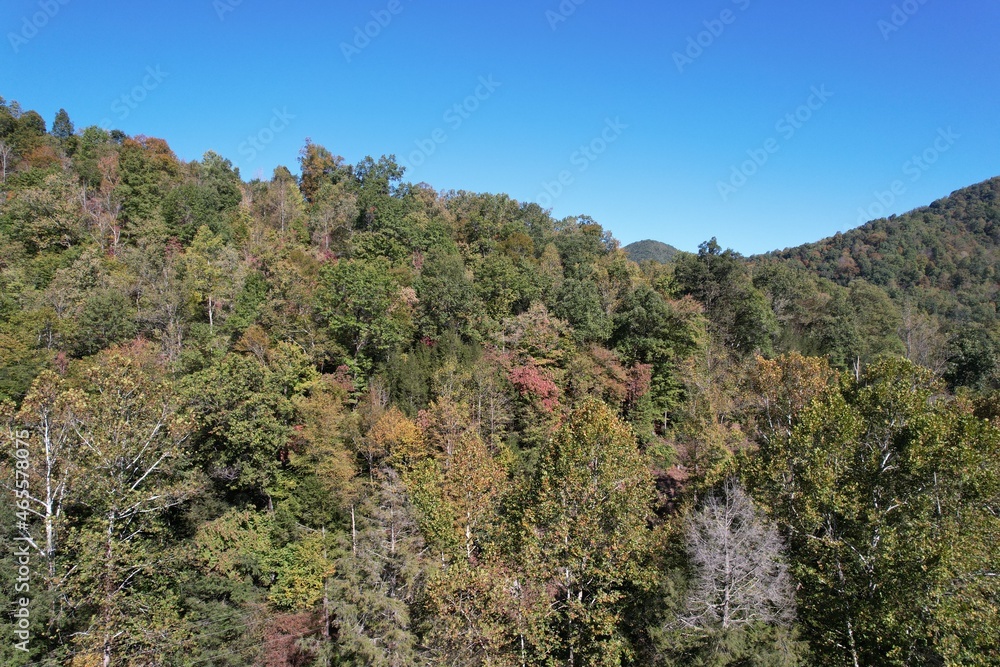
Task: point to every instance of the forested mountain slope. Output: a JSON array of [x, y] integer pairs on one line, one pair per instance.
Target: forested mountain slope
[[339, 418], [655, 251], [945, 256]]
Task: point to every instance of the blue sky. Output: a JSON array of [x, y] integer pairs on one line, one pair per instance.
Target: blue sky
[[766, 124]]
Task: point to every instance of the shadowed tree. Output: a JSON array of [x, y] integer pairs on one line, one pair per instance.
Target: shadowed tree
[[739, 314], [378, 579]]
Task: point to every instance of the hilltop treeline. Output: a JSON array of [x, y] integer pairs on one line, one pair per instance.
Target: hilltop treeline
[[338, 418]]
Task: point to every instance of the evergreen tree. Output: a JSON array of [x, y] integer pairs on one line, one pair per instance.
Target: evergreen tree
[[379, 578], [62, 126]]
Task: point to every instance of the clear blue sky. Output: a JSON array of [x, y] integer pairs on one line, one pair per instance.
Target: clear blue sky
[[226, 66]]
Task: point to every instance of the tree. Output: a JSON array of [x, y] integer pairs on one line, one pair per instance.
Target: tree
[[244, 410], [209, 268], [739, 604], [105, 319], [379, 576], [331, 216], [579, 303], [860, 325], [740, 576], [974, 359], [47, 217], [46, 415], [779, 391], [456, 485], [129, 440], [876, 484], [147, 165], [62, 126], [649, 329], [320, 167], [29, 132], [925, 344], [6, 153], [283, 203], [482, 615], [583, 532], [447, 296], [739, 314], [360, 301]]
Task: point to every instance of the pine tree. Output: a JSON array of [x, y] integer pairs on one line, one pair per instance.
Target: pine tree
[[62, 126], [378, 579]]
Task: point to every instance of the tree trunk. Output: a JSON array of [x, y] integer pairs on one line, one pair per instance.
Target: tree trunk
[[109, 590]]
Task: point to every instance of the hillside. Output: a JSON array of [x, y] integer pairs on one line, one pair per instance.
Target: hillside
[[656, 251], [945, 257], [345, 419], [924, 284]]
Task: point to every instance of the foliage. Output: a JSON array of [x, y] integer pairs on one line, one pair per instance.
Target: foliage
[[341, 418]]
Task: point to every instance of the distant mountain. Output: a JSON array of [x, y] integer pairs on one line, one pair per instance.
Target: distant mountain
[[651, 250], [944, 257]]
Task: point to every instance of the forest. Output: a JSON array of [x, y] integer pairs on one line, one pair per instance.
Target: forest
[[339, 418]]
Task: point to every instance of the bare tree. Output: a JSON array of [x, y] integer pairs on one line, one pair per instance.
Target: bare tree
[[6, 152], [925, 344], [740, 575], [332, 215]]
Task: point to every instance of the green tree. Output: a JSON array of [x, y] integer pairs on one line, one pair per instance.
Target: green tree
[[579, 303], [860, 325], [244, 410], [62, 126], [975, 359], [583, 534], [209, 273], [648, 329], [737, 311], [362, 306], [447, 296], [148, 167], [130, 448], [105, 320], [877, 483], [45, 218]]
